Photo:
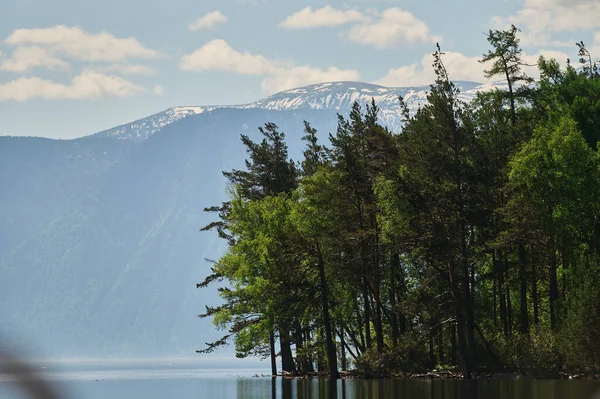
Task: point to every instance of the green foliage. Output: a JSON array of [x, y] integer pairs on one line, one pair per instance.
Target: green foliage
[[579, 337], [505, 55], [558, 172], [470, 241], [409, 355], [535, 353]]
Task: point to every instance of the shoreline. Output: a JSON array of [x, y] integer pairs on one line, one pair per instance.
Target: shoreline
[[444, 375]]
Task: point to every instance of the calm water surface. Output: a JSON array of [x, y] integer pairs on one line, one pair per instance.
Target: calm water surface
[[180, 381]]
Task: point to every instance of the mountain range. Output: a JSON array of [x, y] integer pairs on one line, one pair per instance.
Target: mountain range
[[100, 248]]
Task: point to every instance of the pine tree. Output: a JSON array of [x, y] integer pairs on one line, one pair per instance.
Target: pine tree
[[507, 61], [268, 172], [436, 169]]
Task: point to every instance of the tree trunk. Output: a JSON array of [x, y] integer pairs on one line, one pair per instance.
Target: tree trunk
[[377, 293], [472, 285], [511, 94], [346, 346], [308, 340], [303, 362], [461, 321], [287, 360], [453, 345], [360, 318], [365, 281], [403, 324], [394, 265], [523, 313], [367, 307], [469, 322], [272, 348], [502, 291], [329, 344], [553, 294], [431, 350], [565, 263], [509, 312], [494, 290], [343, 347], [468, 303], [440, 342], [534, 290]]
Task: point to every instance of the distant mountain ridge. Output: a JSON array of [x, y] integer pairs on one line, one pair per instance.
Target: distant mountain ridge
[[338, 96]]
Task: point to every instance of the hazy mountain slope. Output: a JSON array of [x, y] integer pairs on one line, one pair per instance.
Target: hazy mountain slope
[[113, 272], [38, 178]]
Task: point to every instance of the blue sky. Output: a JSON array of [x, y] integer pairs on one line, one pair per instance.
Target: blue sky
[[69, 68]]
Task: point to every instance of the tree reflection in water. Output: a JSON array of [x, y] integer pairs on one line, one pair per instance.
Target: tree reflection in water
[[426, 389]]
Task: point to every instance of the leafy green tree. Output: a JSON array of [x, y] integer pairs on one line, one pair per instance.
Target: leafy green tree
[[569, 92], [556, 172], [268, 172]]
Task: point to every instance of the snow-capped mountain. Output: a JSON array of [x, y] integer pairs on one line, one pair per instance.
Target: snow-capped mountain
[[333, 96], [142, 129]]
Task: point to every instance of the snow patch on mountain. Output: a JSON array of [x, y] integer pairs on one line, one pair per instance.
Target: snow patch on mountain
[[141, 129], [334, 96]]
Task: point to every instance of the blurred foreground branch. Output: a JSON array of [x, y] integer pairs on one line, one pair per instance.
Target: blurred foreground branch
[[25, 376]]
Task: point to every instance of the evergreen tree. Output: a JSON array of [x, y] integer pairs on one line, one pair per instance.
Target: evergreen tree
[[268, 172]]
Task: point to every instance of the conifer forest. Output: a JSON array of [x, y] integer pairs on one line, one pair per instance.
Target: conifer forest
[[469, 241]]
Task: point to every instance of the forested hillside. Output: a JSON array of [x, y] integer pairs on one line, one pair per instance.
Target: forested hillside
[[469, 241]]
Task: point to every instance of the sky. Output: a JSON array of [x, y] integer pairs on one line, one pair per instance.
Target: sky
[[70, 68]]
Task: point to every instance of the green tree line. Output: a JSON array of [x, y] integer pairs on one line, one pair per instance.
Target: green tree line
[[469, 241]]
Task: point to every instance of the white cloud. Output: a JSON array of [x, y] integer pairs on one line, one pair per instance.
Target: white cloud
[[88, 85], [158, 90], [208, 21], [405, 76], [532, 59], [78, 44], [540, 18], [305, 75], [326, 16], [218, 55], [47, 47], [459, 67], [396, 27], [277, 75], [25, 58], [130, 69], [528, 37]]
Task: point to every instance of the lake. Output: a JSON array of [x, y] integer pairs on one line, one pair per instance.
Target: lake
[[185, 379]]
